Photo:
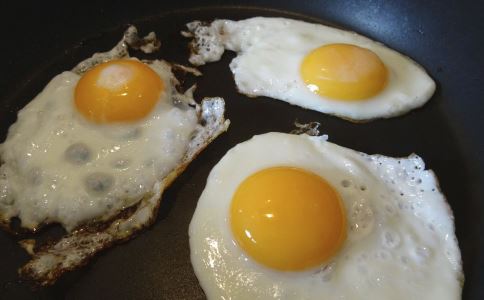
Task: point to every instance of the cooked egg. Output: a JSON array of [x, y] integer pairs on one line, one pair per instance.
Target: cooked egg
[[314, 66], [92, 144], [296, 217], [96, 149]]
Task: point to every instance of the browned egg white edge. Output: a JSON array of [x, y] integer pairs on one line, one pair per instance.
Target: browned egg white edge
[[89, 241]]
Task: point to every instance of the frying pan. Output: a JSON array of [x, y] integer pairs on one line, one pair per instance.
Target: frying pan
[[40, 40]]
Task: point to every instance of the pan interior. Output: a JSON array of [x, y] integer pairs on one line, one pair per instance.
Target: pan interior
[[157, 263]]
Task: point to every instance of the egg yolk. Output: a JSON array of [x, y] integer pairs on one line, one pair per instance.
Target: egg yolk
[[287, 218], [118, 91], [344, 72]]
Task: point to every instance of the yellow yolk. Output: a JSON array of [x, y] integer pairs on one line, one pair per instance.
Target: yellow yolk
[[118, 91], [288, 219], [344, 72]]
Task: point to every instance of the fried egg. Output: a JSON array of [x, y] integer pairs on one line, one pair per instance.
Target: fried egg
[[96, 141], [289, 216], [314, 66], [95, 150]]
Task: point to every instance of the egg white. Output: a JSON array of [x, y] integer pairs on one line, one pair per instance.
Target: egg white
[[38, 182], [270, 52], [400, 245]]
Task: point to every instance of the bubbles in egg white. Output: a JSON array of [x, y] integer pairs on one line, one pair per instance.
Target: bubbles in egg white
[[270, 52], [59, 167], [400, 245]]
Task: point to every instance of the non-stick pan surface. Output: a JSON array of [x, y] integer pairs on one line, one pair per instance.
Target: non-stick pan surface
[[40, 40]]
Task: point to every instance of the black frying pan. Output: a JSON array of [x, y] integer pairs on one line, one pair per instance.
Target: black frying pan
[[40, 40]]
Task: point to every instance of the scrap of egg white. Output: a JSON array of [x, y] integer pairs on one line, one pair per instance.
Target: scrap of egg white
[[59, 166], [400, 233], [270, 52]]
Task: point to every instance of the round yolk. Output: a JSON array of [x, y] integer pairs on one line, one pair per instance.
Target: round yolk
[[344, 72], [118, 91], [287, 218]]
